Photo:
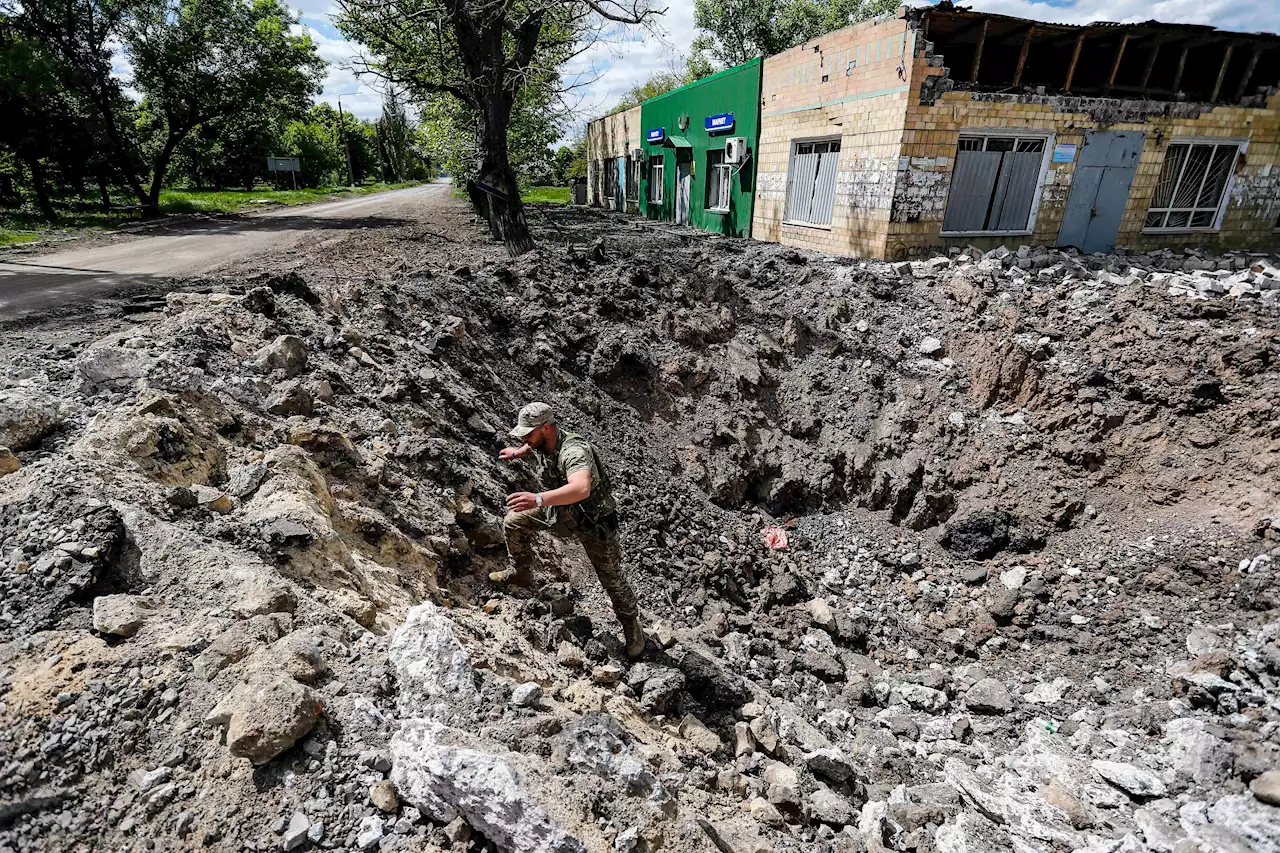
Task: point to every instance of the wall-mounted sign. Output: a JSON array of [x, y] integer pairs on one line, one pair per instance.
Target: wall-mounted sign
[[717, 123], [656, 135], [1064, 152]]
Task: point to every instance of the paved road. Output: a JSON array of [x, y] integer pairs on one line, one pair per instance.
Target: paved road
[[34, 283]]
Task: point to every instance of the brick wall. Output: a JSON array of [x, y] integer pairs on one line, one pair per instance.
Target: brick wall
[[607, 139], [931, 132], [845, 84]]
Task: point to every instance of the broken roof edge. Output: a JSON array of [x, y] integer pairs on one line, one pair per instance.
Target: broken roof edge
[[949, 9]]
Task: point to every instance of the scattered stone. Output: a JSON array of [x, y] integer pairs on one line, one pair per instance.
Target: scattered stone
[[268, 718], [287, 353], [701, 737], [826, 806], [8, 462], [383, 796], [121, 615], [1137, 783], [988, 696], [526, 695], [296, 833], [1266, 787]]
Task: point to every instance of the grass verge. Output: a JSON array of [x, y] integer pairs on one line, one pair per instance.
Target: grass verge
[[23, 226], [545, 195]]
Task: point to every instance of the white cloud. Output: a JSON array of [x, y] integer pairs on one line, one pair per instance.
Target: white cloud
[[611, 68]]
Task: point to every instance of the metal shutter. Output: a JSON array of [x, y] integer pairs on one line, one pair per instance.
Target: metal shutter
[[824, 190], [804, 173], [1015, 191], [972, 181]]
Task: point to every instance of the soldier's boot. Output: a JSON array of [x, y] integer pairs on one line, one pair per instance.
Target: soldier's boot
[[633, 632], [520, 529], [605, 555]]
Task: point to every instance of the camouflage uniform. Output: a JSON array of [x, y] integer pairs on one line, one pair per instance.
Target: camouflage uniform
[[594, 521]]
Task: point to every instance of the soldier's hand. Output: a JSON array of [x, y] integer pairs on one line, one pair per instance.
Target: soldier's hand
[[521, 501], [509, 454]]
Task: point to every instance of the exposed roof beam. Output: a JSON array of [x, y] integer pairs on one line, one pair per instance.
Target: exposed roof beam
[[1151, 62], [977, 53], [1115, 66], [1022, 57], [1222, 72], [1075, 58], [1248, 71]]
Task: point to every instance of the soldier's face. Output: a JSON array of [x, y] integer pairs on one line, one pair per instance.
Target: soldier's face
[[537, 439]]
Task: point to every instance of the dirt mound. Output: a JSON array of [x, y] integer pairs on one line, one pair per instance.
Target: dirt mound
[[1027, 600]]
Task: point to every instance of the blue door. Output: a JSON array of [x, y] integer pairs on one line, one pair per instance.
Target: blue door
[[620, 191], [1100, 189]]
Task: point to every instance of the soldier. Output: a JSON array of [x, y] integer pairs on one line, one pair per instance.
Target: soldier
[[578, 502]]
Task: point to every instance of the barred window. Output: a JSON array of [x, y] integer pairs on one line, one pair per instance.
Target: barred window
[[1192, 185]]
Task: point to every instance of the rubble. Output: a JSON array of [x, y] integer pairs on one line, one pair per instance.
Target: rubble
[[1026, 599]]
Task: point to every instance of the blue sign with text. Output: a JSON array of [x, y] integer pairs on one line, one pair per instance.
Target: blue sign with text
[[657, 134], [716, 123]]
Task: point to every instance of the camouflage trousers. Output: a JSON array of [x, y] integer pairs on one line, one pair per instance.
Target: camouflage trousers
[[600, 541]]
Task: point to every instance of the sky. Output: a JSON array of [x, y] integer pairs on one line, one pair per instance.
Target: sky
[[609, 69]]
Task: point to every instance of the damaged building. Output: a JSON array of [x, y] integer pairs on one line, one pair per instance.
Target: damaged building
[[904, 135]]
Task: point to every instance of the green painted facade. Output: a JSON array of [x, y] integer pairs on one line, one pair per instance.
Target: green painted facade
[[735, 90]]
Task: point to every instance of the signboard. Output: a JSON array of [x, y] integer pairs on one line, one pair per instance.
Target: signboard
[[716, 123], [656, 135], [283, 164], [1064, 152]]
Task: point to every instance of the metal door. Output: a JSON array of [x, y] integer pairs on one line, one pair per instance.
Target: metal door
[[684, 184], [1100, 189], [619, 192]]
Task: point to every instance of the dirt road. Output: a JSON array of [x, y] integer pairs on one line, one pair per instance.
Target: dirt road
[[38, 283]]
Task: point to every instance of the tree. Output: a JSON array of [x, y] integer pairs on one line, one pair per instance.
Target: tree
[[485, 56], [735, 31], [192, 61], [321, 154], [395, 138]]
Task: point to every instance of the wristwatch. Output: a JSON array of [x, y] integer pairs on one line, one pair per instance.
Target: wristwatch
[[537, 498]]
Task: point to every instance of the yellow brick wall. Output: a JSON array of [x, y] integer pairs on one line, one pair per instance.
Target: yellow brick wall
[[845, 84], [929, 148], [607, 139]]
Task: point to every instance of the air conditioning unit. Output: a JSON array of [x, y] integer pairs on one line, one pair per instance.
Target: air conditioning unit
[[735, 150]]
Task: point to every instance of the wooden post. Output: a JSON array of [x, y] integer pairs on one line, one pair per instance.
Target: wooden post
[[977, 54], [1022, 57], [1075, 57], [1222, 72], [1151, 63], [1115, 66], [1248, 71], [1182, 63]]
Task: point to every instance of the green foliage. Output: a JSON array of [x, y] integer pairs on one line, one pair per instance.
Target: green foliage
[[734, 31], [321, 156], [658, 84], [545, 195], [398, 148], [230, 71]]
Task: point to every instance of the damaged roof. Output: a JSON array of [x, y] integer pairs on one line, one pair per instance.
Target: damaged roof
[[1149, 60]]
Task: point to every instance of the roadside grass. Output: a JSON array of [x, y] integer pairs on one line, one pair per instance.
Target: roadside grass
[[24, 225], [545, 195]]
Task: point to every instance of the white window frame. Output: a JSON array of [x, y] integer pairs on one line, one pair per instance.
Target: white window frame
[[1242, 145], [657, 175], [1038, 193], [795, 148], [720, 173]]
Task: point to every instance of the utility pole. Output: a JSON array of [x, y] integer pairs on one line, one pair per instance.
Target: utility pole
[[346, 146]]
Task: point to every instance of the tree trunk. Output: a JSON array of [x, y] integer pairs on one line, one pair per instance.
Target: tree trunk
[[103, 192], [152, 204], [41, 187], [499, 200]]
